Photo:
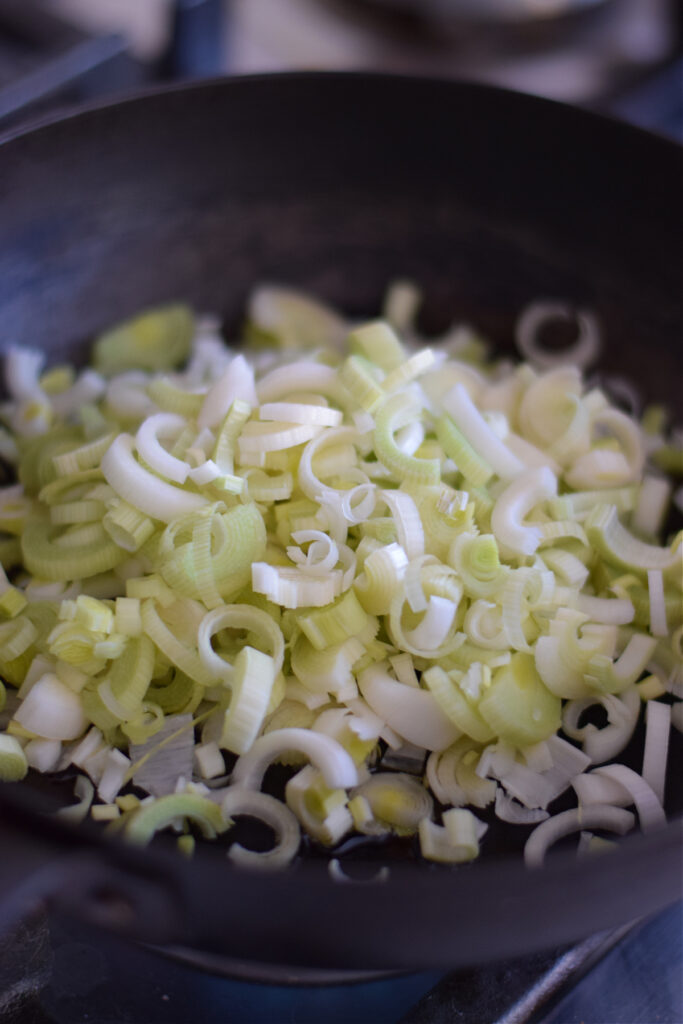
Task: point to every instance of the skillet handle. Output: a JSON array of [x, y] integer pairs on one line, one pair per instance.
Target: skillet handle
[[44, 864]]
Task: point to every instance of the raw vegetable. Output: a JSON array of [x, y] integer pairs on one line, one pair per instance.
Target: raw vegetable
[[398, 574]]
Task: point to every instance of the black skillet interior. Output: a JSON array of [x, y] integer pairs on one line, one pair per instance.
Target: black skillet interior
[[340, 184]]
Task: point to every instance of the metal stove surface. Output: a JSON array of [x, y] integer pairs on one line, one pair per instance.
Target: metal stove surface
[[57, 972]]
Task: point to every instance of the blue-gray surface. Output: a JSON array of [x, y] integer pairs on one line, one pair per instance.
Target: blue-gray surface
[[639, 982]]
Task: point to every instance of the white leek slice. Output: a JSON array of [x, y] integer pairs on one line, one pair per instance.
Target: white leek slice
[[294, 588], [454, 842], [432, 631], [165, 424], [251, 684], [114, 775], [650, 810], [657, 734], [599, 468], [242, 617], [320, 808], [43, 755], [476, 430], [322, 554], [412, 368], [22, 370], [328, 756], [594, 788], [611, 611], [562, 658], [507, 809], [615, 676], [300, 412], [655, 586], [302, 376], [142, 489], [276, 815], [293, 319], [407, 519], [549, 405], [326, 671], [397, 800], [622, 715], [628, 435], [597, 816], [484, 625], [383, 572], [208, 760], [51, 710], [258, 437], [414, 714], [401, 303], [649, 514], [235, 383], [308, 481], [622, 549], [581, 353], [507, 519]]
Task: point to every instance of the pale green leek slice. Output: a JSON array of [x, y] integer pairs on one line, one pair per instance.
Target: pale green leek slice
[[396, 800], [156, 340], [13, 763], [475, 470], [336, 623], [177, 696], [291, 319], [44, 559], [148, 819], [461, 710], [398, 411], [621, 548], [453, 842], [477, 561], [131, 674], [518, 706], [251, 683], [357, 374], [172, 398], [378, 343], [184, 658]]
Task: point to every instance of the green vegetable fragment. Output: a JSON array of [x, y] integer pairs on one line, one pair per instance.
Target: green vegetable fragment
[[157, 340], [517, 705], [395, 573]]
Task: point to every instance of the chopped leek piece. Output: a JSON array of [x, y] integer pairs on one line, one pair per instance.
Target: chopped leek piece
[[157, 340], [294, 556], [13, 763], [251, 683], [517, 706], [151, 818]]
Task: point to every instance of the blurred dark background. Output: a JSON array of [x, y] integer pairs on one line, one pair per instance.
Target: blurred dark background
[[623, 57]]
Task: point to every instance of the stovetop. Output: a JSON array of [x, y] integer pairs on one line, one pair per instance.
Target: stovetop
[[58, 972]]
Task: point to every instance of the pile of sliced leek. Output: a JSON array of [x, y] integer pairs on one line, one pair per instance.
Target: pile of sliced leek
[[403, 572]]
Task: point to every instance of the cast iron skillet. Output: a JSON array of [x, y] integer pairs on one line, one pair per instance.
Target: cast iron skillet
[[340, 183]]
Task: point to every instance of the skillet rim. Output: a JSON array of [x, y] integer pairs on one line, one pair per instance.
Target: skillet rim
[[140, 96]]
